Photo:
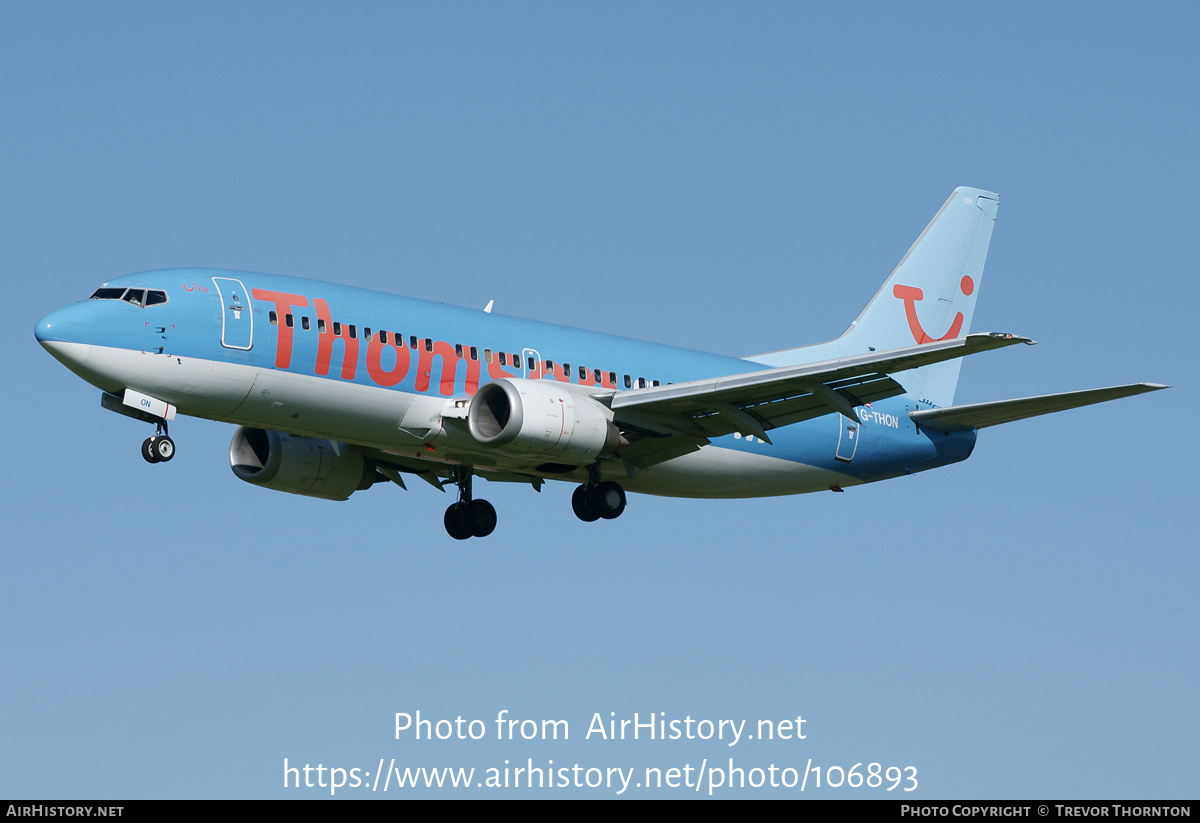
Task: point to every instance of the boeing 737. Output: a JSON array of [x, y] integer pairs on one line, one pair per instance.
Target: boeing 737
[[335, 389]]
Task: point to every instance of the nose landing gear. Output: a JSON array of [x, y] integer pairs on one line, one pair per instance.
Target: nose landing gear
[[158, 448]]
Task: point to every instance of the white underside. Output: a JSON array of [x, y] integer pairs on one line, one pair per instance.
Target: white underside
[[404, 424]]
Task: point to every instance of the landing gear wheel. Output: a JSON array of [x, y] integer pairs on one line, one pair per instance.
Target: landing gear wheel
[[148, 450], [581, 504], [480, 518], [468, 517], [607, 499], [163, 448], [456, 522]]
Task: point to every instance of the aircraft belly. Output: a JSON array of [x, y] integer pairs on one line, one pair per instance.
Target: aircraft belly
[[245, 394], [714, 472], [185, 382], [321, 407], [334, 409]]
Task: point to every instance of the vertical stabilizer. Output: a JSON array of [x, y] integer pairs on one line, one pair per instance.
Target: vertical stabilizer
[[929, 296]]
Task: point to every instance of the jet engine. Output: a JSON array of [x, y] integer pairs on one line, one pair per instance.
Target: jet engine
[[541, 419], [300, 465]]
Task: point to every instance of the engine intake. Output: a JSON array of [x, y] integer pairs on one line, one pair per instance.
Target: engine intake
[[299, 465], [541, 419]]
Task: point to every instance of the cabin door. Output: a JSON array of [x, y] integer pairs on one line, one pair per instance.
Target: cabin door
[[847, 439], [237, 320]]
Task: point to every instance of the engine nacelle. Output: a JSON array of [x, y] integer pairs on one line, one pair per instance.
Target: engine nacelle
[[541, 419], [300, 465]]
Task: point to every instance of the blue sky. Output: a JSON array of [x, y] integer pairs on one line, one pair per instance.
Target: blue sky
[[730, 178]]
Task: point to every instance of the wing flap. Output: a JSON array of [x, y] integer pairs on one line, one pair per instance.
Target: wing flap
[[652, 450], [806, 407], [981, 415]]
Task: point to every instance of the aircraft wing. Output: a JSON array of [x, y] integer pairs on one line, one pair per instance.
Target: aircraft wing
[[981, 415], [754, 402]]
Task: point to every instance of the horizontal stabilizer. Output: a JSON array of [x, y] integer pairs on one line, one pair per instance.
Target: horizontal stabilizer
[[980, 415]]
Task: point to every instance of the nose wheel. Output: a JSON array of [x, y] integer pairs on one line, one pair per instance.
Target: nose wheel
[[159, 448], [467, 517]]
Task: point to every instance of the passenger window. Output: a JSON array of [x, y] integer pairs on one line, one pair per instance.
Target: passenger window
[[320, 325], [383, 337], [337, 327], [274, 318], [367, 333], [628, 382], [641, 382], [458, 350], [487, 356], [532, 363], [353, 332], [289, 320], [428, 344], [412, 342], [474, 353], [503, 359], [304, 323]]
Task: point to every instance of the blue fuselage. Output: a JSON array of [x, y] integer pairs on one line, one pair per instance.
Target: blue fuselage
[[225, 345]]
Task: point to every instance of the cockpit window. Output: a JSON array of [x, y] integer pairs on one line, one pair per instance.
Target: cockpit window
[[137, 297]]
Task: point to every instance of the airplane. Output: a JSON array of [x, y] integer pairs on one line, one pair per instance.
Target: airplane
[[335, 389]]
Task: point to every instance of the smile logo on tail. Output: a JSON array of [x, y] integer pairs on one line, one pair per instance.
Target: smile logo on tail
[[911, 294]]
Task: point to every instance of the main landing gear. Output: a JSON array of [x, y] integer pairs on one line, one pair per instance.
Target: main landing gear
[[593, 501], [467, 517], [160, 448], [477, 518]]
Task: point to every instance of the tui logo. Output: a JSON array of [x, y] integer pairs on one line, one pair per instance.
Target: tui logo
[[911, 295]]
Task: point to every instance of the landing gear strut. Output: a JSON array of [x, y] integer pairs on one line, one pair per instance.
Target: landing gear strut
[[467, 517], [594, 500], [159, 448]]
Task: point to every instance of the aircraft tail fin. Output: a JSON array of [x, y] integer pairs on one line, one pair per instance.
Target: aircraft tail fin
[[929, 296]]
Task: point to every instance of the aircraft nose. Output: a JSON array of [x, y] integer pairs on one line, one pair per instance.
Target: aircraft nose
[[67, 334], [73, 324]]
